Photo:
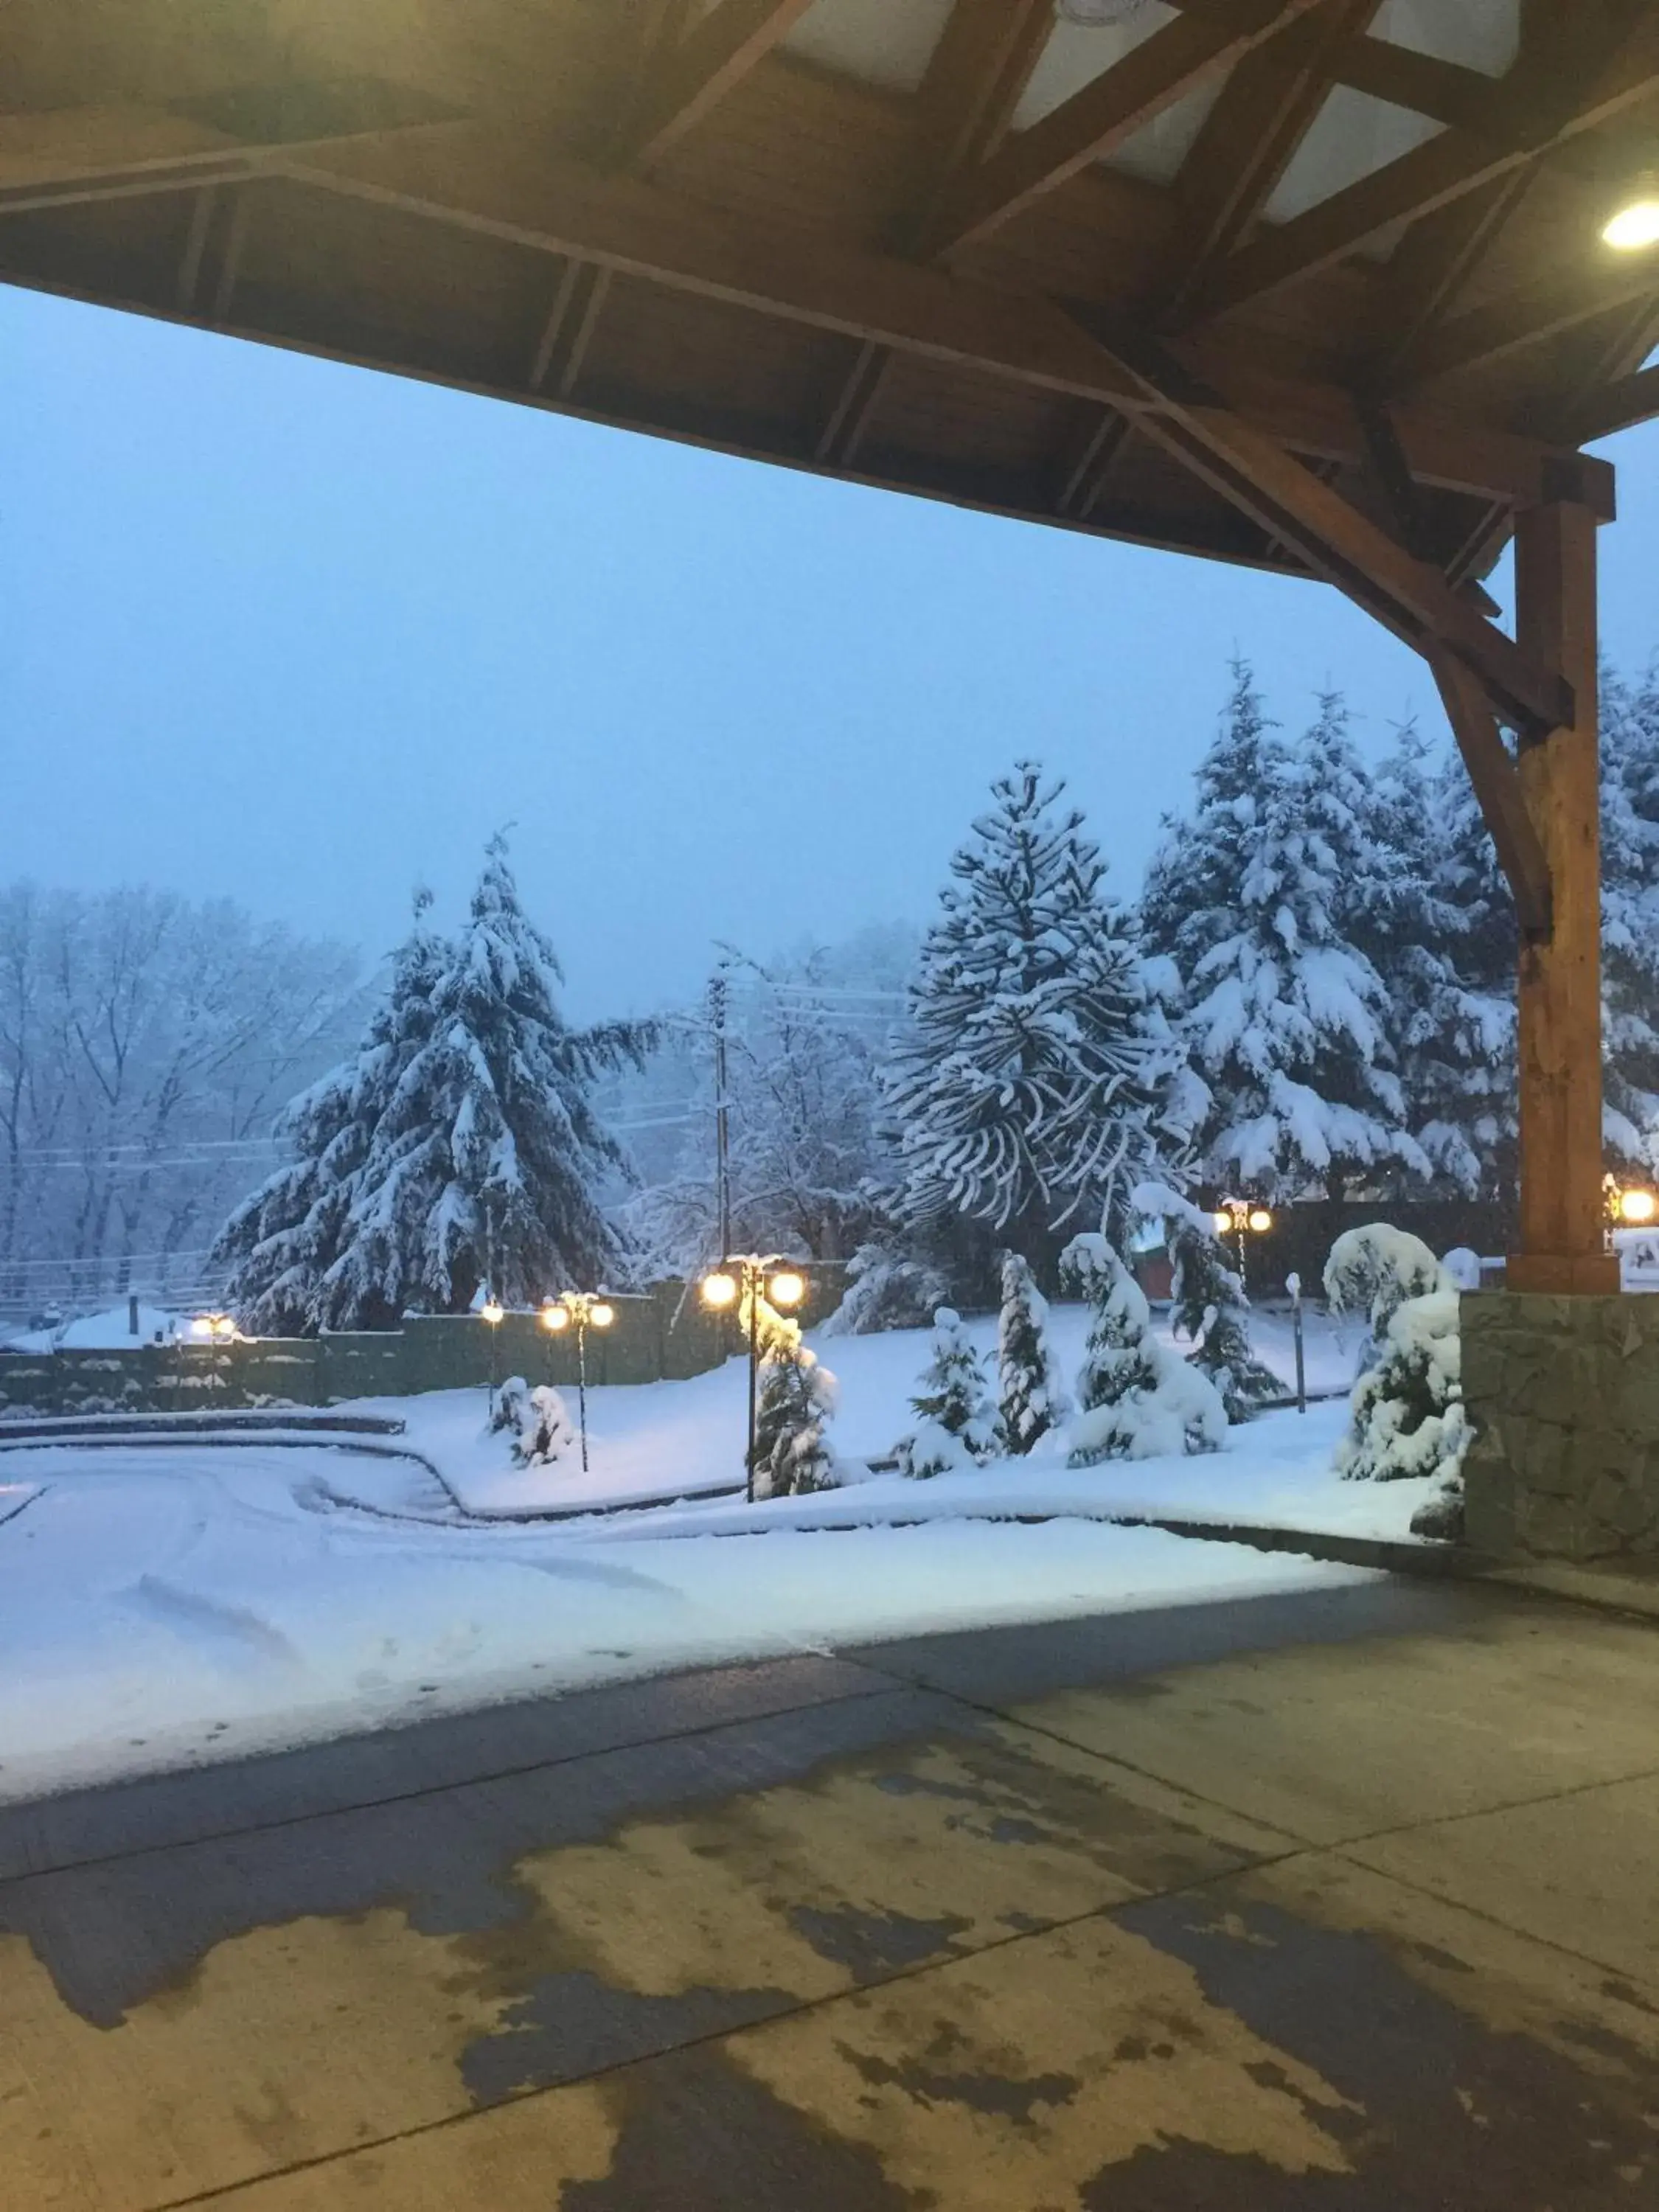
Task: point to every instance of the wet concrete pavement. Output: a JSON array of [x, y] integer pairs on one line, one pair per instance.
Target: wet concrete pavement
[[1341, 1902]]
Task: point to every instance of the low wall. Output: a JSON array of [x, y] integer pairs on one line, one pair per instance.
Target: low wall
[[663, 1334], [1563, 1395]]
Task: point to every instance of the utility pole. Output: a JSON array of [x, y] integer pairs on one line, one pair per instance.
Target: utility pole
[[717, 1007]]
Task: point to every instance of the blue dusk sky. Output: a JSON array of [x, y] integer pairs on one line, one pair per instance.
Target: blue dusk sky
[[302, 635]]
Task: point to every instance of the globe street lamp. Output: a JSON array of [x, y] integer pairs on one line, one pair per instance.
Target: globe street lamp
[[728, 1285], [217, 1329], [1239, 1217], [581, 1311]]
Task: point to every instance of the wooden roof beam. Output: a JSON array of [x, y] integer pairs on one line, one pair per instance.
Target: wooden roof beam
[[692, 75], [1255, 474], [1493, 772], [1249, 140], [1152, 77], [1622, 406], [1520, 128], [636, 229], [980, 66]]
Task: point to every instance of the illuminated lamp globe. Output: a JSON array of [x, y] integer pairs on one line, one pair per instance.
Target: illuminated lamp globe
[[555, 1317], [1260, 1220], [1636, 224], [602, 1316], [1224, 1223], [492, 1313], [786, 1288], [1636, 1208], [718, 1290]]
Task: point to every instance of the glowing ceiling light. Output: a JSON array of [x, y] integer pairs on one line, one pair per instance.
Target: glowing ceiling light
[[1637, 223]]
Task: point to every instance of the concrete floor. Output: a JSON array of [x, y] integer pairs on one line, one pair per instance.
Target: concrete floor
[[1345, 1901]]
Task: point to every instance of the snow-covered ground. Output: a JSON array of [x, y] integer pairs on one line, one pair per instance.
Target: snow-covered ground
[[174, 1603]]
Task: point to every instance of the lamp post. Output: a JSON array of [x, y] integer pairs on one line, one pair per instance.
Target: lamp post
[[728, 1285], [1239, 1217], [492, 1313], [581, 1311], [215, 1328]]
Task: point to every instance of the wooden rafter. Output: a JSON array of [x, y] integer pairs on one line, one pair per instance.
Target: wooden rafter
[[1622, 406], [1149, 79], [980, 68], [1520, 128], [1255, 473], [693, 74], [1247, 141]]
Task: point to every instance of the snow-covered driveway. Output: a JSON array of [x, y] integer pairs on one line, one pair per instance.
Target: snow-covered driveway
[[170, 1604]]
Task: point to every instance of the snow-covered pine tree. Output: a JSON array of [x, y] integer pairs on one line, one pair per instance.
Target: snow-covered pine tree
[[1136, 1399], [1029, 1397], [1442, 939], [1024, 1095], [1285, 1029], [1630, 919], [1208, 1307], [957, 1427], [282, 1242], [485, 1165], [793, 1454], [887, 1287]]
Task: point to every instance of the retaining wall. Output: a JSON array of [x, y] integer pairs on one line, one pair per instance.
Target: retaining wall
[[663, 1334]]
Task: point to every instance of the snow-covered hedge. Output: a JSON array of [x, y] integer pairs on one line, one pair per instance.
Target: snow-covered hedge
[[1408, 1414], [1136, 1398]]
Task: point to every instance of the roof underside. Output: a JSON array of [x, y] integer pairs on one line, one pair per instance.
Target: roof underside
[[990, 251]]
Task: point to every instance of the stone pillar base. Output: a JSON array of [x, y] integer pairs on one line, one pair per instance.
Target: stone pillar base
[[1563, 1396]]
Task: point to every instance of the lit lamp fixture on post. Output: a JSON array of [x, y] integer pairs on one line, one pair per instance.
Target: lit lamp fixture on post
[[581, 1311], [217, 1329], [492, 1313], [728, 1285], [1630, 1205], [1238, 1219]]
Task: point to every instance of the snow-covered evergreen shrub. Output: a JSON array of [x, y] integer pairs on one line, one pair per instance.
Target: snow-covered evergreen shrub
[[537, 1420], [1029, 1398], [1408, 1417], [1371, 1273], [957, 1425], [887, 1289], [793, 1454], [1022, 1096], [1208, 1308], [1136, 1399]]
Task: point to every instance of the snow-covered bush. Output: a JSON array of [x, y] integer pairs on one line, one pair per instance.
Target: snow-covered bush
[[1371, 1273], [1136, 1398], [793, 1454], [887, 1289], [1408, 1417], [957, 1424], [1208, 1309], [536, 1420], [1030, 1399]]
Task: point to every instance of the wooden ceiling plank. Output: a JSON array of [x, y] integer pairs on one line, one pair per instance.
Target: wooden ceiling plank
[[1149, 79], [692, 75], [1528, 317], [1520, 128], [566, 209], [1249, 140]]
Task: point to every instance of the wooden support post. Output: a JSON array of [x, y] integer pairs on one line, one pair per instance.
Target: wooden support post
[[1562, 1221]]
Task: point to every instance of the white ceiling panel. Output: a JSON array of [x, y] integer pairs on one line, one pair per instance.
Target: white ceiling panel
[[1481, 34], [884, 42]]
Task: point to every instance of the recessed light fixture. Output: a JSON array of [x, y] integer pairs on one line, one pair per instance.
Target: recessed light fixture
[[1636, 224]]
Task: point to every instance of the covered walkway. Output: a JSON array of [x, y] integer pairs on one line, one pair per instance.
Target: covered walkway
[[1339, 1900]]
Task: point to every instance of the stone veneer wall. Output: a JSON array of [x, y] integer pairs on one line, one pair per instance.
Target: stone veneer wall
[[1563, 1395]]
